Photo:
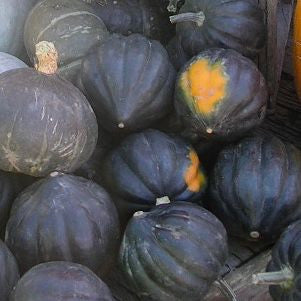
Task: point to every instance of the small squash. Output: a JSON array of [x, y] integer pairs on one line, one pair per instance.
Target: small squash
[[9, 62], [9, 272], [71, 25], [13, 14], [151, 165], [73, 219], [56, 281], [129, 82], [283, 271], [297, 48], [255, 187], [235, 24], [174, 252], [46, 123], [220, 94]]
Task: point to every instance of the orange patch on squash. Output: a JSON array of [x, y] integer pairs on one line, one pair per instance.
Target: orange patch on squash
[[207, 84], [194, 178]]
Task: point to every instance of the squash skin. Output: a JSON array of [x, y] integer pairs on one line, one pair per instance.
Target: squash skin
[[176, 53], [174, 252], [9, 272], [297, 48], [9, 62], [286, 254], [33, 124], [13, 14], [129, 82], [255, 187], [150, 165], [74, 219], [237, 25], [71, 25], [58, 281], [237, 104]]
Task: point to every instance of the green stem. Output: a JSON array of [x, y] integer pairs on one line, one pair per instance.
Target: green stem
[[284, 278], [172, 6], [198, 18], [226, 289]]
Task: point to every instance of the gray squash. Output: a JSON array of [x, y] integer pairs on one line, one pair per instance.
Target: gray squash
[[10, 62], [13, 14], [71, 25]]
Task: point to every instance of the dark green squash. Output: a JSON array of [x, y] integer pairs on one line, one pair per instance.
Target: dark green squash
[[152, 165], [134, 16], [9, 272], [235, 24], [220, 94], [129, 82], [65, 218], [58, 281], [13, 14], [176, 53], [46, 123], [9, 62], [71, 25], [174, 252], [283, 272], [255, 187]]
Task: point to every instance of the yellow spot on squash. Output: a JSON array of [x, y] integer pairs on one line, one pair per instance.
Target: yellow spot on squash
[[194, 178], [206, 84]]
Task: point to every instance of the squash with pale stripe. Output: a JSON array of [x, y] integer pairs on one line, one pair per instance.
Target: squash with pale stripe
[[220, 94], [71, 25], [151, 165]]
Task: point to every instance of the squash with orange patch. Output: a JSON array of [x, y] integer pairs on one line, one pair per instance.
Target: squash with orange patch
[[221, 94], [297, 48], [151, 165]]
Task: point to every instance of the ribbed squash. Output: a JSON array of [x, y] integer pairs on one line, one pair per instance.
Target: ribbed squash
[[220, 94]]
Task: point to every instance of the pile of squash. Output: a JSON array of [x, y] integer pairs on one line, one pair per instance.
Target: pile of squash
[[129, 139]]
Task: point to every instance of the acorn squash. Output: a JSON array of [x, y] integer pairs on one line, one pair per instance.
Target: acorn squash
[[9, 62]]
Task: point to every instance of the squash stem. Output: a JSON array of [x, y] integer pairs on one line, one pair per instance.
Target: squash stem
[[284, 278], [226, 289], [46, 58], [198, 18], [172, 6], [163, 200]]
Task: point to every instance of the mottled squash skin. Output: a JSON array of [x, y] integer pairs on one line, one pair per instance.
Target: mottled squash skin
[[286, 255], [129, 82], [150, 165], [174, 252], [60, 281], [255, 187], [9, 272], [65, 218], [47, 124], [232, 24], [220, 94], [71, 25]]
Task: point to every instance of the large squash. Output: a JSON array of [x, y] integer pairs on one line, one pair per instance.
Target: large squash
[[73, 219], [297, 48], [9, 272], [255, 187], [9, 62], [220, 94], [283, 270], [151, 165], [46, 123], [71, 25], [174, 252], [235, 24], [13, 14], [129, 82], [58, 281]]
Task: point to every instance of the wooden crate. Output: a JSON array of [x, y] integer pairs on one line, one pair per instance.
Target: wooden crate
[[278, 19]]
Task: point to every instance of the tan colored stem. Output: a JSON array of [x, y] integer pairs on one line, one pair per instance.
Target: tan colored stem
[[46, 58], [284, 278], [198, 18]]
